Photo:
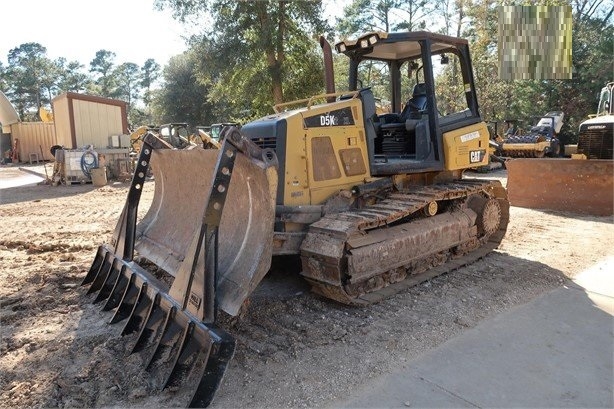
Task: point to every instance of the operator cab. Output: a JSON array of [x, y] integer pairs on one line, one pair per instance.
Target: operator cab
[[427, 81]]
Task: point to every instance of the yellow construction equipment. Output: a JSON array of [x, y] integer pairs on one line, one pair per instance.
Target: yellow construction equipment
[[136, 136], [45, 115], [582, 184], [373, 204]]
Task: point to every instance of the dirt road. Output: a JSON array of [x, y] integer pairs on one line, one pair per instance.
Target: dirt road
[[293, 348]]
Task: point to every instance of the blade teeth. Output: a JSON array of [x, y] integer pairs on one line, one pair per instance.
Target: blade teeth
[[102, 274], [166, 340], [109, 282], [91, 274], [117, 291], [139, 311], [184, 364], [174, 370], [132, 307], [210, 379], [180, 352], [127, 302], [150, 327]]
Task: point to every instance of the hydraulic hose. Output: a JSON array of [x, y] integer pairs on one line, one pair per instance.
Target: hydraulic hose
[[89, 160]]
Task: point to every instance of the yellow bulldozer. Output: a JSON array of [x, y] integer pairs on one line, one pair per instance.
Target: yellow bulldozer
[[372, 204]]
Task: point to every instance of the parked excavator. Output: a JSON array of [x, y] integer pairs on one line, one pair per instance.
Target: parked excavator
[[372, 204], [582, 184]]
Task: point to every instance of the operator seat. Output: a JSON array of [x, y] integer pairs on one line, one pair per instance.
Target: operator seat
[[418, 99], [399, 131]]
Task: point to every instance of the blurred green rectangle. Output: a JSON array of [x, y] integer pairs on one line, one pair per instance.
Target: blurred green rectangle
[[535, 42]]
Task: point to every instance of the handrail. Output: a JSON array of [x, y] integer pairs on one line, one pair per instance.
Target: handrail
[[310, 101]]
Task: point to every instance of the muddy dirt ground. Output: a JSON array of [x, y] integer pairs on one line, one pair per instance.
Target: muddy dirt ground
[[294, 349]]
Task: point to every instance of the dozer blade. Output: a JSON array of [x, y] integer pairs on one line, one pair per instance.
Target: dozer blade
[[577, 186], [210, 226]]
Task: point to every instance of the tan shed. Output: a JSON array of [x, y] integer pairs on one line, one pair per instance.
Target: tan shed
[[35, 140], [82, 120]]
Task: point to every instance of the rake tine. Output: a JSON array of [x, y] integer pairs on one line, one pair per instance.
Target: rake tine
[[165, 335], [186, 357], [139, 312], [91, 274], [119, 288], [142, 293], [166, 368], [109, 282], [154, 334], [102, 274], [151, 326], [127, 302], [221, 353]]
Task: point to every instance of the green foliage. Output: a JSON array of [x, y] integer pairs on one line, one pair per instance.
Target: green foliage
[[71, 77], [31, 80], [127, 78], [102, 66], [30, 76], [361, 16], [257, 54], [150, 71], [184, 96]]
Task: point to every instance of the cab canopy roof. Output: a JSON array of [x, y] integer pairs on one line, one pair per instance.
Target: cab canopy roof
[[396, 46]]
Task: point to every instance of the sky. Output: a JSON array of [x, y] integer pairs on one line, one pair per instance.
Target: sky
[[76, 30]]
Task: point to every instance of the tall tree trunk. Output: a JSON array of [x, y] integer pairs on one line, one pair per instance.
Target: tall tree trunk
[[273, 49]]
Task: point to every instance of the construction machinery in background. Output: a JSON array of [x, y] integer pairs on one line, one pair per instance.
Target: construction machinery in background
[[176, 134], [542, 139], [582, 184], [211, 136], [204, 133], [595, 136], [216, 129], [136, 136], [372, 204]]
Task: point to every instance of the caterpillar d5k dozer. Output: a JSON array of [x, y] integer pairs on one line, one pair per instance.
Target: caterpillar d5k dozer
[[371, 203], [582, 184]]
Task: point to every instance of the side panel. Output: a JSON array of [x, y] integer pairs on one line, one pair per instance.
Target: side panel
[[466, 147], [34, 137], [61, 121], [336, 148], [95, 122], [296, 183]]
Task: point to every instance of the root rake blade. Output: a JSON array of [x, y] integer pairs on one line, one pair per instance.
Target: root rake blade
[[181, 352], [173, 329]]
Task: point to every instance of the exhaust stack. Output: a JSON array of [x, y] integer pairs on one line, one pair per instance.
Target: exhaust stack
[[329, 74]]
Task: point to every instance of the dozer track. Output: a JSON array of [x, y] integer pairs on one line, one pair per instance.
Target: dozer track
[[363, 256]]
